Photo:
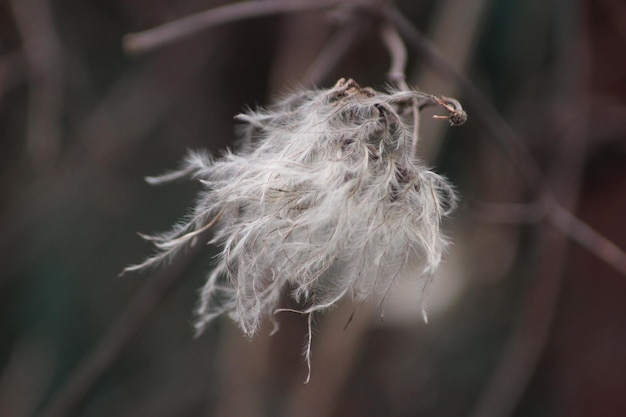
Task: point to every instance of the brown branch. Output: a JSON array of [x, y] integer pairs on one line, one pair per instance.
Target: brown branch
[[136, 43]]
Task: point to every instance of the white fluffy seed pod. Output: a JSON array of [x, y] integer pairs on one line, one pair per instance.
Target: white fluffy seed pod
[[324, 199]]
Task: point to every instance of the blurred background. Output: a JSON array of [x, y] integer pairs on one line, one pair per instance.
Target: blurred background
[[524, 320]]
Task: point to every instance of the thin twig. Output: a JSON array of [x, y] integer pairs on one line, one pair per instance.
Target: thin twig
[[398, 57], [141, 42]]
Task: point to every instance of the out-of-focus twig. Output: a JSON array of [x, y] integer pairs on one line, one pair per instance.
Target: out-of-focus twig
[[334, 50], [43, 55], [90, 371], [397, 54], [499, 129], [25, 377], [523, 351], [12, 68], [588, 237], [615, 12], [141, 42], [482, 110], [113, 130], [559, 217]]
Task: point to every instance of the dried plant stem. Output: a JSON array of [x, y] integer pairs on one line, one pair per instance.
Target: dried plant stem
[[502, 132], [148, 40], [397, 52]]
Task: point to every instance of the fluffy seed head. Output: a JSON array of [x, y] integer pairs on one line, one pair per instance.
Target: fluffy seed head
[[323, 199]]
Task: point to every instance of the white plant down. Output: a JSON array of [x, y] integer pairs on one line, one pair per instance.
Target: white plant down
[[323, 199]]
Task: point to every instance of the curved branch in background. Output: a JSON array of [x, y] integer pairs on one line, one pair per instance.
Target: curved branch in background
[[523, 352], [141, 42], [482, 109], [90, 371], [510, 142]]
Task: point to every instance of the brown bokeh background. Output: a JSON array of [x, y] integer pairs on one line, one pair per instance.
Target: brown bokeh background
[[525, 320]]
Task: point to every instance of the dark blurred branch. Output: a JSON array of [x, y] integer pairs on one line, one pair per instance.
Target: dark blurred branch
[[588, 237], [334, 50], [481, 108], [12, 68], [560, 218], [92, 369], [43, 55], [615, 12], [502, 132], [397, 54], [148, 40], [524, 350]]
